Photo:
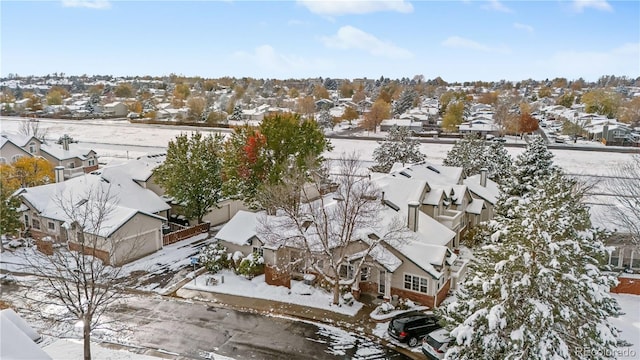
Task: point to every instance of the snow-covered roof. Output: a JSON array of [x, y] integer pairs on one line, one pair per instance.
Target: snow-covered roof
[[16, 139], [10, 315], [382, 256], [128, 199], [139, 169], [58, 152], [16, 344], [475, 207], [432, 173], [240, 229], [489, 192]]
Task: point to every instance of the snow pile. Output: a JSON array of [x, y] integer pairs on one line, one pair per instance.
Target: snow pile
[[299, 294]]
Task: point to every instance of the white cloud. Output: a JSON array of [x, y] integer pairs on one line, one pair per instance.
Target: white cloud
[[593, 64], [457, 42], [497, 6], [602, 5], [349, 37], [525, 27], [90, 4], [270, 61], [343, 7]]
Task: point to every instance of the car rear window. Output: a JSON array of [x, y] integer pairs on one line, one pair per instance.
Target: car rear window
[[398, 325], [434, 343]]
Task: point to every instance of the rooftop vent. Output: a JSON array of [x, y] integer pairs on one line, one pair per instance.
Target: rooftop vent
[[433, 169]]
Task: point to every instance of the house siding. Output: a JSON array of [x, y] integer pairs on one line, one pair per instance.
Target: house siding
[[9, 150], [140, 236]]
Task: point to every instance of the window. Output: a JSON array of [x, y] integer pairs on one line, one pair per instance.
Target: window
[[72, 165], [14, 158], [615, 257], [3, 160], [364, 273], [51, 225], [26, 219], [382, 278], [35, 223], [32, 148], [416, 283], [346, 271], [92, 162], [258, 251]]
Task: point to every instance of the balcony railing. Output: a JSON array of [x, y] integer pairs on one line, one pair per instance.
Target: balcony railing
[[451, 219]]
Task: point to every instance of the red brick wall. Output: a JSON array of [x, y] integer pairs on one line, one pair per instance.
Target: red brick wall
[[627, 286], [45, 247], [442, 294], [420, 298], [274, 277], [369, 287]]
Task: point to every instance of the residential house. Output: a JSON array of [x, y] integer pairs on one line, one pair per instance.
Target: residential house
[[412, 126], [484, 191], [115, 109], [429, 198], [131, 229], [74, 161]]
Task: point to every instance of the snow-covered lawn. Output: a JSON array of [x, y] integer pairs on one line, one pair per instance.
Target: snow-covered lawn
[[629, 325], [379, 315], [299, 294]]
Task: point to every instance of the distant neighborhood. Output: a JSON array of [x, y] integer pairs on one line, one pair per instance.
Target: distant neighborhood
[[266, 206], [605, 111]]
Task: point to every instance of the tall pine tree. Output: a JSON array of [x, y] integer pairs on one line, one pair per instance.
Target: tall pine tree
[[398, 146], [535, 291], [472, 154]]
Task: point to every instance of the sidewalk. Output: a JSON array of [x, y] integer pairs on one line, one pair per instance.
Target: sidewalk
[[360, 323]]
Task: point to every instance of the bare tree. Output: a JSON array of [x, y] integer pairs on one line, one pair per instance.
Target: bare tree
[[32, 127], [330, 229], [78, 276], [625, 185]]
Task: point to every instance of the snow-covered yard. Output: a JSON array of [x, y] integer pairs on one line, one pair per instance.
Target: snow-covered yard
[[299, 294]]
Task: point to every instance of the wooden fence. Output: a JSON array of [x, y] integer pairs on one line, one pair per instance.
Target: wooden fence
[[176, 236]]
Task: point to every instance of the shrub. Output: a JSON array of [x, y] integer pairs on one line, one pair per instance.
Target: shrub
[[385, 308], [251, 266], [214, 258]]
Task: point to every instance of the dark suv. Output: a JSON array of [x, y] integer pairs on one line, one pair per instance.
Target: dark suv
[[411, 327]]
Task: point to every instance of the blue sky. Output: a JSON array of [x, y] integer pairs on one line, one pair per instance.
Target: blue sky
[[457, 40]]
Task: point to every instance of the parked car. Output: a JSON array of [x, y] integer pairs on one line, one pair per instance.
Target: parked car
[[436, 344], [499, 139], [411, 327]]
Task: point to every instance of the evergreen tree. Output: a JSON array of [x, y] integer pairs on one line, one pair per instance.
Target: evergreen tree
[[473, 154], [237, 113], [191, 173], [405, 102], [325, 120], [536, 291], [531, 166], [398, 146], [9, 216]]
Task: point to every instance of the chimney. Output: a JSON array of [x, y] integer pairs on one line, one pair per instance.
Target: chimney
[[412, 222], [59, 171], [483, 177], [605, 132], [65, 142], [382, 198]]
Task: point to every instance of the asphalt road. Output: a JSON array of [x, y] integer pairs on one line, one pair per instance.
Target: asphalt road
[[185, 329]]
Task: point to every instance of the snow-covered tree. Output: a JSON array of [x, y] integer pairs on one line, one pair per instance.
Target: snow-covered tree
[[531, 166], [325, 120], [405, 102], [535, 290], [237, 113], [398, 146], [473, 154]]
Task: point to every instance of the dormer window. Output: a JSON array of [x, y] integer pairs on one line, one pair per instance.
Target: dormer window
[[32, 148]]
